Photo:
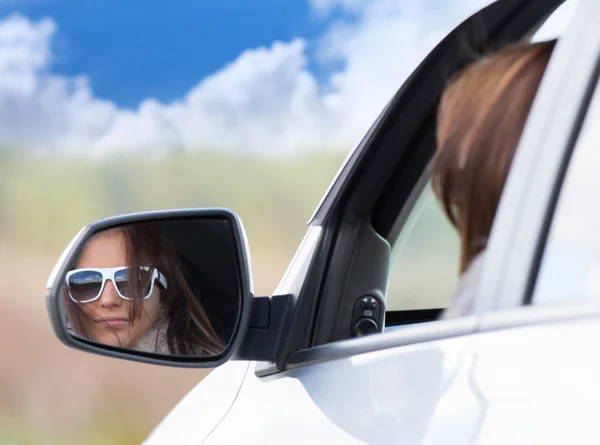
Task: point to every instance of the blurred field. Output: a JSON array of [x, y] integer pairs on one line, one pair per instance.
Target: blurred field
[[50, 394]]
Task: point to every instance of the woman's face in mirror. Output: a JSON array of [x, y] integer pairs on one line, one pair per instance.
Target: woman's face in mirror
[[108, 317]]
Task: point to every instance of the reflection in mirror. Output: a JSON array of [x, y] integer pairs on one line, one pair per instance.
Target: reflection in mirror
[[168, 287]]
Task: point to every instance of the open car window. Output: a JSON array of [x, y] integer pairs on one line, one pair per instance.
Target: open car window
[[424, 272], [425, 258]]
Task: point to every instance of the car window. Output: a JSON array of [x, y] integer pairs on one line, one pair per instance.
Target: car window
[[425, 258], [424, 272], [570, 266]]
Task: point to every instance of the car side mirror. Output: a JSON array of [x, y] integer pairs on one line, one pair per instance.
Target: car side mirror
[[168, 287]]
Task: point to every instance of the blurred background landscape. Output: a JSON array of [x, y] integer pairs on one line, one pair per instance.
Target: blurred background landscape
[[50, 394]]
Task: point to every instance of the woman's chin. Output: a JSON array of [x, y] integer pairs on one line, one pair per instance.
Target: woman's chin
[[111, 340]]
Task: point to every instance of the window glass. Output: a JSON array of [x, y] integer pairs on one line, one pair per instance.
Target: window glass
[[426, 255], [570, 267]]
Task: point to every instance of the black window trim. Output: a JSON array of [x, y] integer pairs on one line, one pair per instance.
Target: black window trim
[[343, 205], [450, 53], [356, 208]]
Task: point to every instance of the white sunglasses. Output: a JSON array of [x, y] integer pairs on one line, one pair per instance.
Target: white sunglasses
[[86, 285]]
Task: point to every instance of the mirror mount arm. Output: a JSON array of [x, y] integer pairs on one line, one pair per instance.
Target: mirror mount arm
[[264, 337]]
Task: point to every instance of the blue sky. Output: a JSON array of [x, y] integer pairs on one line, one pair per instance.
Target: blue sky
[[134, 49], [94, 77]]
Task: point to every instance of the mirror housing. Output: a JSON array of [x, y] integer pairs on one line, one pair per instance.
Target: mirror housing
[[237, 242]]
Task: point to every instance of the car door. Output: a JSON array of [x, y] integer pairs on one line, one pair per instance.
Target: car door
[[324, 385]]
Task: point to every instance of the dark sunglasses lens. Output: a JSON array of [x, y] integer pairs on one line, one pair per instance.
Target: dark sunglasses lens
[[133, 288], [85, 286]]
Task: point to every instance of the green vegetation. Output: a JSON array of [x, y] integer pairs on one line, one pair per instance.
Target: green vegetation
[[44, 201], [100, 432]]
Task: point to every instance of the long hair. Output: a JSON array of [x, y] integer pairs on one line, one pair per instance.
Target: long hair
[[189, 330], [480, 120]]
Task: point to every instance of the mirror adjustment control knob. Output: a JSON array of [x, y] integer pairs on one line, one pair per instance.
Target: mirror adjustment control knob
[[368, 304], [365, 326]]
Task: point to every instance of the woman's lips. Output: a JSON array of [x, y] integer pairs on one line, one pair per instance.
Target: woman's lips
[[114, 322]]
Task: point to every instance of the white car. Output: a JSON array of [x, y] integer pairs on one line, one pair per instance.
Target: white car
[[349, 350]]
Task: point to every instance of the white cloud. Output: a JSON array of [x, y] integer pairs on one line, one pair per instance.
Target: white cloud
[[24, 51], [37, 109], [381, 50], [266, 99]]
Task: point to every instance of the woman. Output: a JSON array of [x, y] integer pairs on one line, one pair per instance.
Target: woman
[[128, 289], [480, 119]]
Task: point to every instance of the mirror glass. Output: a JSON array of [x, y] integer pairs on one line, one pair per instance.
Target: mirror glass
[[169, 287]]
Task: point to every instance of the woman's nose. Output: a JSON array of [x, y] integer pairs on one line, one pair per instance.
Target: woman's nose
[[110, 297]]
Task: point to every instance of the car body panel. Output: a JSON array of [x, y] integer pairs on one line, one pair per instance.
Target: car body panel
[[534, 384], [201, 410], [370, 398]]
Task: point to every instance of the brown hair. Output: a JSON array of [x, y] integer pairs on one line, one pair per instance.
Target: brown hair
[[189, 331], [480, 119]]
